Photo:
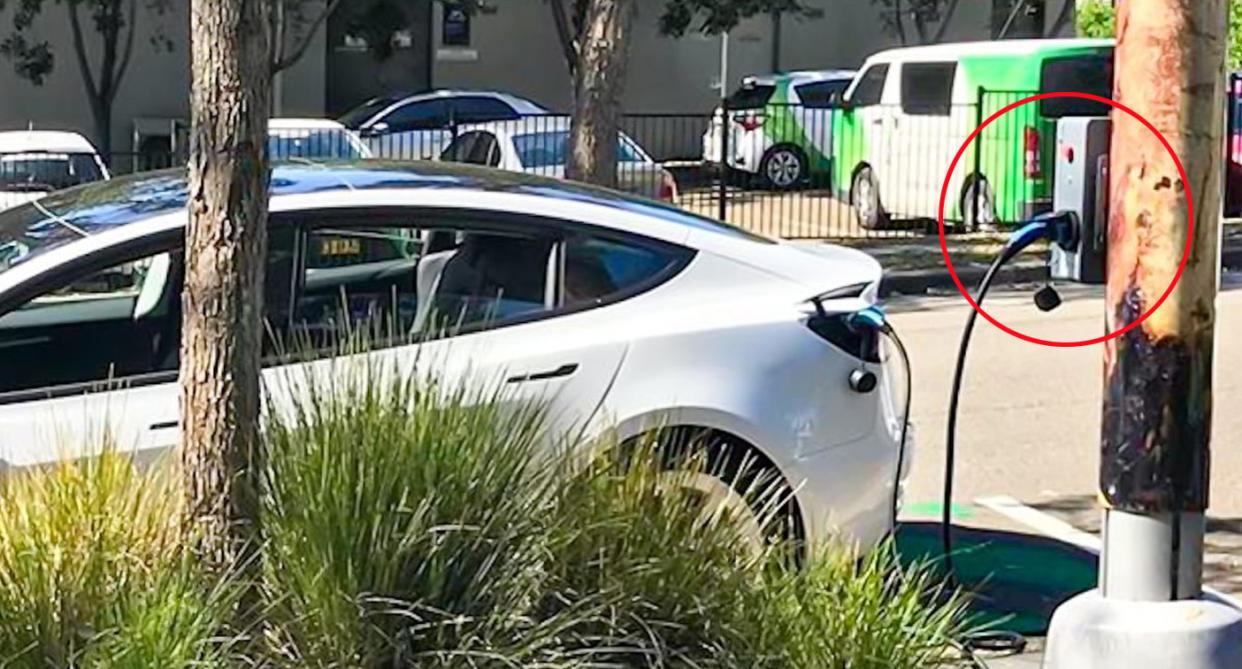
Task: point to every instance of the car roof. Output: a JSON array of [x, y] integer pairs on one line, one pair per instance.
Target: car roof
[[956, 50], [520, 104], [104, 206], [51, 141], [546, 123], [799, 76], [303, 124]]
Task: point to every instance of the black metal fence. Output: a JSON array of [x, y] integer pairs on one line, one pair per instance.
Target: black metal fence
[[792, 171]]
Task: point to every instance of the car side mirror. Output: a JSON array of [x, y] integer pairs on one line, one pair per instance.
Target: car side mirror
[[380, 128], [845, 104]]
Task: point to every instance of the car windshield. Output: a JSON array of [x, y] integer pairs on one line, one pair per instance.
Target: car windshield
[[47, 171], [354, 118], [548, 149], [328, 143], [751, 96]]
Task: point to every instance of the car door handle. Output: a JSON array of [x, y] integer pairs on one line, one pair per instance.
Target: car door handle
[[563, 370], [878, 121], [165, 425]]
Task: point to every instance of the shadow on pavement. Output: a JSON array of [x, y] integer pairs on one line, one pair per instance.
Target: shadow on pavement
[[1016, 580]]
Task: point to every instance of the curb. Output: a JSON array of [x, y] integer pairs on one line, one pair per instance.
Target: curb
[[919, 281]]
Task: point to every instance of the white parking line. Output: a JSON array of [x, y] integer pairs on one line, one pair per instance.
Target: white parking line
[[1043, 522]]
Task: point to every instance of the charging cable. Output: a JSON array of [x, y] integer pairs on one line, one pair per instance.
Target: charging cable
[[1062, 228]]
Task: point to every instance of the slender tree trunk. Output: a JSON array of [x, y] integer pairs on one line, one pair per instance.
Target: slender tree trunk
[[1158, 376], [598, 83], [225, 247], [101, 114]]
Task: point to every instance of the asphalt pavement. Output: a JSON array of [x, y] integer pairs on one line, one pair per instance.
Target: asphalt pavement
[[1029, 420]]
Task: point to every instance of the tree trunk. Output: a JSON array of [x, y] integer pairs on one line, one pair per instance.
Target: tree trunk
[[598, 83], [225, 247], [1158, 376], [101, 114]]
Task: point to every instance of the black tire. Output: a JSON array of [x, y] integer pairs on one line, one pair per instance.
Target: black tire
[[739, 467], [865, 200], [986, 219], [783, 167]]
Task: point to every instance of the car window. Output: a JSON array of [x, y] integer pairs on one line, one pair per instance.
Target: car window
[[480, 110], [870, 88], [405, 280], [425, 115], [751, 96], [37, 171], [597, 268], [106, 326], [927, 88], [476, 147], [287, 144], [354, 118], [548, 149], [822, 94], [1078, 74]]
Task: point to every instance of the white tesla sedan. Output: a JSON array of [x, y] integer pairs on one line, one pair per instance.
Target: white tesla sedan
[[622, 313]]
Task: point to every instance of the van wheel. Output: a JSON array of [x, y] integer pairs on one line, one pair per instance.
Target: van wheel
[[986, 218], [724, 479], [782, 168], [865, 198]]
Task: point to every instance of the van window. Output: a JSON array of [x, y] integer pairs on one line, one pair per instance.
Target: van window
[[870, 88], [1078, 74], [927, 88]]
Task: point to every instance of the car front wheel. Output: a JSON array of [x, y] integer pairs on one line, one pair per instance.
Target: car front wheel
[[865, 199]]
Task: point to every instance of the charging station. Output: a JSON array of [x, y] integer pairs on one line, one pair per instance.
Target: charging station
[[1081, 186], [1148, 609]]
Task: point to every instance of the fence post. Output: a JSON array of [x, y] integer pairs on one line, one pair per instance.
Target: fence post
[[723, 186], [975, 190]]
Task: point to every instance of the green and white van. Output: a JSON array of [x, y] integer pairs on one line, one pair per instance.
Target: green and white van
[[909, 110], [780, 129]]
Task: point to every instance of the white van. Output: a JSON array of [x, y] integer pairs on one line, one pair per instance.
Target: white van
[[909, 111]]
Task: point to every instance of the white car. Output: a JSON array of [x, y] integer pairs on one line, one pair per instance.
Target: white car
[[36, 162], [624, 314], [780, 130], [539, 145], [417, 127], [311, 139]]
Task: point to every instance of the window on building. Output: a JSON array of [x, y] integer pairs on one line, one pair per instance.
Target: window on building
[[870, 88], [927, 88]]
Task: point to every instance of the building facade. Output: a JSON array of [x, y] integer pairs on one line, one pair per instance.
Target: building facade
[[514, 48]]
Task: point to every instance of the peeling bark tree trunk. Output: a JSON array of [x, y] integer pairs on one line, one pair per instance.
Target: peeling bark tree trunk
[[225, 247], [598, 82], [1158, 376]]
